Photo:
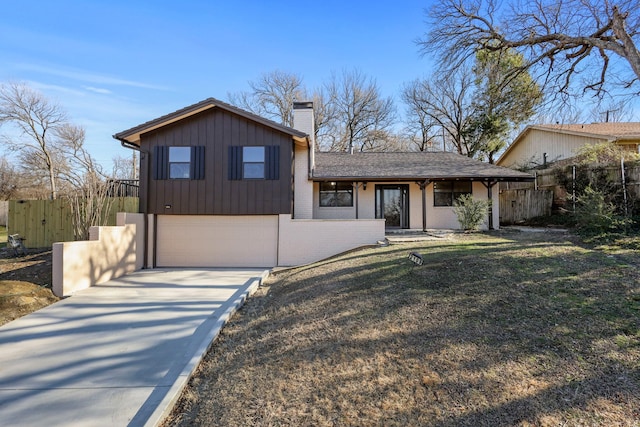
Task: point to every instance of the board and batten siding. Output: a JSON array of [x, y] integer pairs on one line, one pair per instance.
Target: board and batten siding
[[216, 130]]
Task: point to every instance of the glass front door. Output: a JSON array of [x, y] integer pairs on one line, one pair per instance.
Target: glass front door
[[392, 204]]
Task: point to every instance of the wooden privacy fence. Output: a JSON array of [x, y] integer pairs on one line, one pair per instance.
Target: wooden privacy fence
[[619, 181], [44, 222], [569, 182], [524, 203]]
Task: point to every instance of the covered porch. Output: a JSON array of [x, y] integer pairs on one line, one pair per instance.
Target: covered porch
[[413, 191]]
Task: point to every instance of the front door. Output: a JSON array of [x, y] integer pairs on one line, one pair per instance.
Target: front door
[[392, 204]]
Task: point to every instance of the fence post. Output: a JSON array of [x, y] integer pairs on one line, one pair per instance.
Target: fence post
[[573, 185], [624, 186]]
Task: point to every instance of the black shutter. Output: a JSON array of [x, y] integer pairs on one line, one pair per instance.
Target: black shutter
[[197, 162], [272, 162], [160, 162], [235, 163]]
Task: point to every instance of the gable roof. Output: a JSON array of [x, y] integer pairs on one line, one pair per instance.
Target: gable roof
[[621, 133], [408, 166], [132, 136], [609, 130]]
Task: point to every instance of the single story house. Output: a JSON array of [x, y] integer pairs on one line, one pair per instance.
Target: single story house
[[538, 145], [220, 186]]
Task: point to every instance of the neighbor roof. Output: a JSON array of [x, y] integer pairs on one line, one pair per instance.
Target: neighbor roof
[[132, 136], [612, 131], [622, 133], [410, 166]]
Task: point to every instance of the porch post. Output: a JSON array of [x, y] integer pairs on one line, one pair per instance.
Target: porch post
[[423, 188], [489, 186], [356, 185]]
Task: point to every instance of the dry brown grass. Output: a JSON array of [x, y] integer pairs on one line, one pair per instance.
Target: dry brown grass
[[25, 284], [513, 329]]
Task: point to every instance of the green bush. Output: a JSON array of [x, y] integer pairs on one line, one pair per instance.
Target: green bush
[[471, 213], [595, 215]]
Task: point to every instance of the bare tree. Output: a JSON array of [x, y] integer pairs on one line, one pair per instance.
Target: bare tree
[[90, 204], [323, 115], [9, 180], [48, 142], [448, 101], [75, 162], [89, 189], [421, 129], [272, 96], [612, 111], [362, 116], [126, 168], [561, 39], [36, 120]]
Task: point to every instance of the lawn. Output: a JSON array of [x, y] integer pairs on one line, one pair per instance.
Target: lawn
[[501, 329]]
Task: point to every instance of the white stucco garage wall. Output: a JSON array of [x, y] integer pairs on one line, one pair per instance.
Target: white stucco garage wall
[[216, 241]]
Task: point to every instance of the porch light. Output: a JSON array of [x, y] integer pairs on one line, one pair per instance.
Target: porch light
[[364, 185]]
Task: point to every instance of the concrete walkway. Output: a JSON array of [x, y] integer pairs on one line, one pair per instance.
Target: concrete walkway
[[117, 354]]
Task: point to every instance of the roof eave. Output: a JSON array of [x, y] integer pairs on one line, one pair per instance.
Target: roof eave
[[421, 178], [132, 136]]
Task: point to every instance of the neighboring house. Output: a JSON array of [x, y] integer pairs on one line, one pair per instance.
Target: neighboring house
[[542, 144], [223, 187]]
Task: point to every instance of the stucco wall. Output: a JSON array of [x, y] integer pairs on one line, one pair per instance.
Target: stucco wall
[[111, 253], [304, 241], [303, 188], [217, 240], [437, 217]]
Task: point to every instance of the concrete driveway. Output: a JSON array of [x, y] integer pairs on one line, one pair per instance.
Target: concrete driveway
[[119, 353]]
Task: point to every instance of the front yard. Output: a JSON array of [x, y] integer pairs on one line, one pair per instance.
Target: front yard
[[495, 329], [25, 281]]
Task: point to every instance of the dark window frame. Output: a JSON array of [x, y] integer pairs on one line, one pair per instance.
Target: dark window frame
[[235, 166], [445, 193], [162, 163], [249, 162], [183, 168], [336, 190]]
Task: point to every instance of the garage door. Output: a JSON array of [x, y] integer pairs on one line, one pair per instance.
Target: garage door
[[217, 241]]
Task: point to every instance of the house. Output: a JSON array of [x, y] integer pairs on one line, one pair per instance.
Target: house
[[542, 144], [220, 186]]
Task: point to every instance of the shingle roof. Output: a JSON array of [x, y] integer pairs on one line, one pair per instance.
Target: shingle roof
[[408, 167], [132, 135], [611, 130]]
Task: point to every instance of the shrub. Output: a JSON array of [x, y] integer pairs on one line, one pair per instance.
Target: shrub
[[595, 215], [471, 212], [604, 152]]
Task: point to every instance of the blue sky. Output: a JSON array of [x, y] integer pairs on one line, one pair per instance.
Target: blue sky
[[115, 64]]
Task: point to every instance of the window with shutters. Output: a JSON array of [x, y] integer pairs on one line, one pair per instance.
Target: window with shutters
[[254, 162], [178, 162]]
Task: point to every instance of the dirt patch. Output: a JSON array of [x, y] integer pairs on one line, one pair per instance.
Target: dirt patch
[[502, 329], [25, 283]]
